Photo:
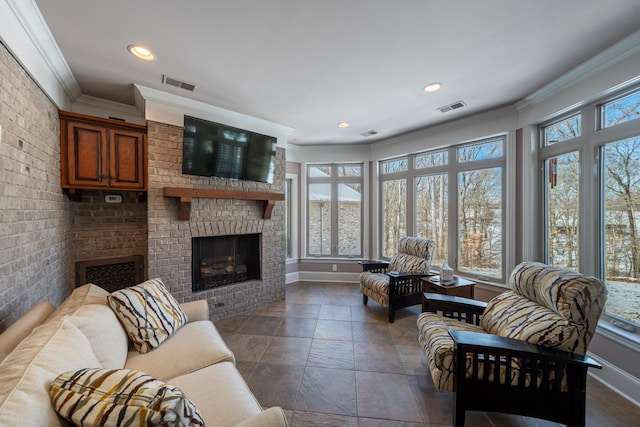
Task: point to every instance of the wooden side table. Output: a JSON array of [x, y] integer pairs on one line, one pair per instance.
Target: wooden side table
[[459, 288]]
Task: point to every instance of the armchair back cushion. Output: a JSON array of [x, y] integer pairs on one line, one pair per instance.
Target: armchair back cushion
[[548, 306], [414, 255]]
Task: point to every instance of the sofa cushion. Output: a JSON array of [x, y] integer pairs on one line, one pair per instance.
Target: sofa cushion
[[376, 286], [199, 340], [414, 255], [120, 397], [19, 330], [26, 373], [220, 393], [101, 327], [82, 295], [148, 313], [565, 305], [439, 347]]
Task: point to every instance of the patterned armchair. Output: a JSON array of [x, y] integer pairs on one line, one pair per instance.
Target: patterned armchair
[[523, 352], [396, 284]]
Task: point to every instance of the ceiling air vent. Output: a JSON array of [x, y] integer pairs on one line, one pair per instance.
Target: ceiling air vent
[[369, 133], [177, 83], [454, 106]]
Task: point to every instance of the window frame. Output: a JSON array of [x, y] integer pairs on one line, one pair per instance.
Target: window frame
[[451, 169], [594, 138], [334, 180]]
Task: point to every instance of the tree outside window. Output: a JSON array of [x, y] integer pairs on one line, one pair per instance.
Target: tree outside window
[[475, 193]]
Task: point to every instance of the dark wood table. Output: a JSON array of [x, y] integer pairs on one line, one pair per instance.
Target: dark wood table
[[458, 287]]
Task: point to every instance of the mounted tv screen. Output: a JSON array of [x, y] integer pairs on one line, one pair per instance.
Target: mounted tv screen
[[214, 149]]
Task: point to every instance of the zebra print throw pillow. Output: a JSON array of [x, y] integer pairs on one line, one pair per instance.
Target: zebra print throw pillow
[[148, 313], [120, 397]]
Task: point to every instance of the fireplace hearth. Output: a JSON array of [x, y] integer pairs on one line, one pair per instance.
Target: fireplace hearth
[[225, 260]]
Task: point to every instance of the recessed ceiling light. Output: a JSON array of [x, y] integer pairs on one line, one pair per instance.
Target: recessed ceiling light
[[432, 87], [140, 52], [343, 125]]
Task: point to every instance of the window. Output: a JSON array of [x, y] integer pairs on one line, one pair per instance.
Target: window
[[432, 215], [563, 130], [288, 217], [334, 210], [394, 215], [562, 210], [423, 193], [621, 210], [591, 199], [621, 110], [480, 221], [480, 208]]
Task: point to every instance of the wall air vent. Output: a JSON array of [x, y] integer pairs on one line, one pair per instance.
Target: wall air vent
[[177, 83], [454, 106], [369, 133]]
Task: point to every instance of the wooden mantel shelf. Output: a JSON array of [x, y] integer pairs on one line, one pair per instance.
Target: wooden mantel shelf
[[186, 194]]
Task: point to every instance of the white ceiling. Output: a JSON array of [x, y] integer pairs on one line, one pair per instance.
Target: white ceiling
[[309, 64]]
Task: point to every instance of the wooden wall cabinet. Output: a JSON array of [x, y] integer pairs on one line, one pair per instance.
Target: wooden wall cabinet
[[102, 154]]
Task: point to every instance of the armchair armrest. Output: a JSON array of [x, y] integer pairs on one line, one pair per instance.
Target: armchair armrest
[[402, 275], [473, 342], [374, 266], [463, 309]]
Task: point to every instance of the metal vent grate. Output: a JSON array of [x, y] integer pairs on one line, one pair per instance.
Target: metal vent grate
[[454, 106], [111, 274], [369, 133], [178, 83]]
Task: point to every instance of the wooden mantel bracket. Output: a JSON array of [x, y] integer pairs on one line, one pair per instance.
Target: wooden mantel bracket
[[187, 194]]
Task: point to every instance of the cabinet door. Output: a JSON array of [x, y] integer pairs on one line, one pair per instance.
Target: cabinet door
[[126, 159], [87, 155]]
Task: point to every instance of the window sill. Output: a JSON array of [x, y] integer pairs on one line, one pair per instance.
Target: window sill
[[619, 335]]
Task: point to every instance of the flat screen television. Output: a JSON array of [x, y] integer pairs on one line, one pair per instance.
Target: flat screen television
[[217, 150]]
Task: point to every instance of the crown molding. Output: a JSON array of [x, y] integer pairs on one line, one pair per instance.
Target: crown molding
[[625, 48], [27, 36]]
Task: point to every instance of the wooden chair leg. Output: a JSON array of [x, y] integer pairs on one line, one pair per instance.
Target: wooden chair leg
[[365, 299], [458, 412], [392, 314]]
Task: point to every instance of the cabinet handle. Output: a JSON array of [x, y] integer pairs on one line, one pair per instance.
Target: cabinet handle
[[103, 176], [112, 177]]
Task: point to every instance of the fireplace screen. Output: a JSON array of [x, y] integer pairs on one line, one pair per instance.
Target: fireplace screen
[[223, 260]]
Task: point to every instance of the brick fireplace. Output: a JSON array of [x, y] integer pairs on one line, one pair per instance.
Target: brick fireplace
[[170, 239], [224, 260]]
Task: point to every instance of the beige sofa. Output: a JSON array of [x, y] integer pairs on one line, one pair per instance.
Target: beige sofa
[[85, 333]]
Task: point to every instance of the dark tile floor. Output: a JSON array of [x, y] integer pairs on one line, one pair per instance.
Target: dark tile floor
[[328, 360]]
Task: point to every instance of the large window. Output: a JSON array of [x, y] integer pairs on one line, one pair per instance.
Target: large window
[[455, 197], [621, 203], [591, 199], [334, 210]]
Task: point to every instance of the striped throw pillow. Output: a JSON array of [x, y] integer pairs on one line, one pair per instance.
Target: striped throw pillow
[[120, 397], [148, 313]]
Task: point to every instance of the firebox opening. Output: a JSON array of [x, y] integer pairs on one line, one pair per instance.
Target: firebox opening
[[224, 260]]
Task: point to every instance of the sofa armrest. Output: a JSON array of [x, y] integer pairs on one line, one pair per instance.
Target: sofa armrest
[[271, 417], [196, 310], [463, 309], [22, 327]]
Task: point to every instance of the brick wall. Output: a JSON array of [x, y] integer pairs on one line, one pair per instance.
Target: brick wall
[[170, 239], [43, 234], [107, 230], [35, 221]]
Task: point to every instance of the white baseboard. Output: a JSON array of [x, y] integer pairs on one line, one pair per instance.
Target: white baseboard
[[326, 277], [617, 380]]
